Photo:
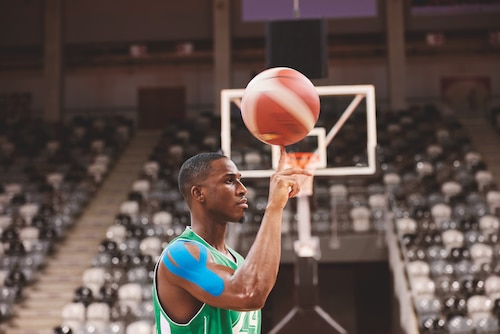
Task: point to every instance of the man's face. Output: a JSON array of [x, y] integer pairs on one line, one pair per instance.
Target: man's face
[[224, 192]]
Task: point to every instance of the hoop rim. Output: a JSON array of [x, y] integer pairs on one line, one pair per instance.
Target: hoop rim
[[302, 160]]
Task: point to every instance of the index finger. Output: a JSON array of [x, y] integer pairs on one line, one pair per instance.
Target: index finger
[[281, 162]]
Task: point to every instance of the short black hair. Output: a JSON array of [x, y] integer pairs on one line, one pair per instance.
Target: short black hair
[[194, 170]]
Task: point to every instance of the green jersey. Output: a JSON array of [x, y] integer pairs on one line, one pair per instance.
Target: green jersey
[[209, 319]]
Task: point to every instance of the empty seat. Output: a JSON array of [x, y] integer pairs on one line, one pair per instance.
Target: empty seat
[[152, 246], [116, 233], [406, 225], [493, 200], [130, 295], [28, 211], [130, 208], [481, 253], [94, 278], [142, 186], [484, 178], [151, 169], [479, 307], [440, 212], [98, 316], [73, 315], [97, 171], [453, 239], [140, 327], [360, 217]]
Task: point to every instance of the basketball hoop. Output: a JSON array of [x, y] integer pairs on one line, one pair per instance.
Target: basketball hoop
[[303, 160]]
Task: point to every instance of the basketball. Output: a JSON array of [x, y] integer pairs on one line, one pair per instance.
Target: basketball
[[280, 106]]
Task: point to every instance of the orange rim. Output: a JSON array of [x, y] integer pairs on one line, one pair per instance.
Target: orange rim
[[301, 159]]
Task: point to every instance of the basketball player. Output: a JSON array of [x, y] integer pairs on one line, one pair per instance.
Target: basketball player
[[201, 285]]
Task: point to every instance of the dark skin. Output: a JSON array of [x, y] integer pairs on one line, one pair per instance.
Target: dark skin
[[218, 200]]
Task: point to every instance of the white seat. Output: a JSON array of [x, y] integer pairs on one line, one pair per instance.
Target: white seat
[[424, 168], [489, 224], [427, 305], [142, 186], [481, 253], [130, 207], [493, 200], [151, 169], [28, 211], [479, 307], [55, 179], [73, 315], [98, 315], [434, 150], [452, 239], [392, 179], [28, 236], [162, 218], [492, 286], [440, 212], [406, 225], [97, 171], [377, 201], [422, 286], [13, 189], [130, 294], [417, 268], [140, 327], [472, 158], [116, 233], [360, 218], [176, 152], [338, 191], [151, 246], [483, 178], [450, 188], [94, 278], [5, 221]]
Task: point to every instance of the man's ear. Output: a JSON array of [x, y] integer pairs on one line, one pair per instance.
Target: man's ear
[[197, 194]]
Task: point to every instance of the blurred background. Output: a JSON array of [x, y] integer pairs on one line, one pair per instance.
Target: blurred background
[[101, 101]]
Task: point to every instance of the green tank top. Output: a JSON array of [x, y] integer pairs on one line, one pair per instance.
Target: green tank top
[[208, 320]]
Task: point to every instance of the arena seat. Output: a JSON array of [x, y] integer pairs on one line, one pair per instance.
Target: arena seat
[[94, 278], [130, 295], [140, 327], [98, 316], [73, 315]]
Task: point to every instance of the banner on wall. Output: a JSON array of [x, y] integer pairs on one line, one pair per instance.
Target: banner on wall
[[265, 10], [437, 7], [466, 95]]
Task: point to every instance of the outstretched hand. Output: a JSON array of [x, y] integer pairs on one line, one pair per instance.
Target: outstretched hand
[[284, 183]]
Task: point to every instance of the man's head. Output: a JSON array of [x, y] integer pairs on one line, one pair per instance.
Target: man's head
[[211, 186], [194, 170]]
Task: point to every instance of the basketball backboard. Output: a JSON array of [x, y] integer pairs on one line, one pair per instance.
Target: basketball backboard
[[345, 136]]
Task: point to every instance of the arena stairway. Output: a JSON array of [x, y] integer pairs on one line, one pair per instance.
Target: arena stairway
[[40, 311], [486, 139]]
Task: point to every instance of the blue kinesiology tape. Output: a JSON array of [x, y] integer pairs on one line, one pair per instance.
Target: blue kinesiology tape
[[182, 263]]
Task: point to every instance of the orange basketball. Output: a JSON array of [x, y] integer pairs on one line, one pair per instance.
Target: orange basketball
[[280, 106]]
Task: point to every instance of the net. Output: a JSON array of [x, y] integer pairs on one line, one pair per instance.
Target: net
[[303, 160]]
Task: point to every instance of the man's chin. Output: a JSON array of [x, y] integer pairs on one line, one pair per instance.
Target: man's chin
[[243, 219]]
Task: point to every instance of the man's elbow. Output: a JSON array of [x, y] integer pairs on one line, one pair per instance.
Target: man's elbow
[[254, 300]]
